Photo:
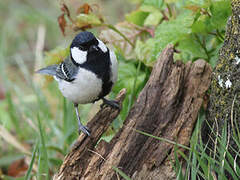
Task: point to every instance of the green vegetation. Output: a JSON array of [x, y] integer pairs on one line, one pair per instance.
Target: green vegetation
[[38, 122]]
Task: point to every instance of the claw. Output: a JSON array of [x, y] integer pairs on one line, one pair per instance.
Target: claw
[[84, 129]]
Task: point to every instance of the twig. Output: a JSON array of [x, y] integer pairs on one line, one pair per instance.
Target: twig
[[169, 10], [110, 26], [203, 46]]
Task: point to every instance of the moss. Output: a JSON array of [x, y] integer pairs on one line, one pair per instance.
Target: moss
[[219, 66], [221, 98], [232, 56]]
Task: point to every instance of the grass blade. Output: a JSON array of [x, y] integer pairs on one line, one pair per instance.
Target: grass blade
[[121, 173], [43, 156], [28, 175], [13, 113], [163, 139]]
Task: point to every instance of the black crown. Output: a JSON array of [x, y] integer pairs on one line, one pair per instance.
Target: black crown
[[83, 37]]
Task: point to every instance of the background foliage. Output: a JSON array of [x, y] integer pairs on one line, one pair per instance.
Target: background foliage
[[36, 121]]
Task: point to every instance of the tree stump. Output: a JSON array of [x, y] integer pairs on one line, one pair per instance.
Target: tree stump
[[167, 107]]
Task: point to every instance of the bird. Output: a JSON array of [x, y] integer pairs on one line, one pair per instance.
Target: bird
[[87, 74]]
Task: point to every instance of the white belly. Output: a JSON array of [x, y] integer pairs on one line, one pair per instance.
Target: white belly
[[84, 89]]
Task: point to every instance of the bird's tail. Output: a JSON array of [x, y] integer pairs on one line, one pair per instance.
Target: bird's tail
[[50, 70]]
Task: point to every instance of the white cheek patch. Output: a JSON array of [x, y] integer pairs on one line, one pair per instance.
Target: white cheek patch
[[102, 46], [78, 55]]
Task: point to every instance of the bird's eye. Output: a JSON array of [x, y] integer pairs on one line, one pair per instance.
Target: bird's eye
[[81, 48]]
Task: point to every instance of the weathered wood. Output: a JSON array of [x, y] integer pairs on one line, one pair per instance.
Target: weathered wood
[[167, 107], [77, 160]]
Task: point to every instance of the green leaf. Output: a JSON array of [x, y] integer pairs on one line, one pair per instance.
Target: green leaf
[[131, 78], [201, 3], [172, 31], [144, 51], [202, 25], [126, 76], [137, 17], [154, 3], [148, 8], [190, 46], [220, 10], [214, 59], [153, 19], [154, 16], [87, 19]]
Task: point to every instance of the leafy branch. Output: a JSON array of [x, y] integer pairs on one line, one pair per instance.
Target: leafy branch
[[203, 45]]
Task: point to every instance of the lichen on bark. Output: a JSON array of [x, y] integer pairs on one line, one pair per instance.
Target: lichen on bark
[[225, 86]]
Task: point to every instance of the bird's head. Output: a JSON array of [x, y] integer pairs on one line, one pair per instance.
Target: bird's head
[[83, 44]]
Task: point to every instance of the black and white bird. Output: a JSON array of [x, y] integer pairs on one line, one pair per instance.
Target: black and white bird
[[87, 75]]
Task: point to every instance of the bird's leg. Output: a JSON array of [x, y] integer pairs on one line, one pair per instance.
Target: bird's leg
[[111, 103], [81, 127]]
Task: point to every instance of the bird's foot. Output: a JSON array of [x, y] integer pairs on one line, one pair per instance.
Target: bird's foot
[[83, 129], [111, 103]]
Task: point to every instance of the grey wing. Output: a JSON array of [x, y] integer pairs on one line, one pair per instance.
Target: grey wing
[[66, 70]]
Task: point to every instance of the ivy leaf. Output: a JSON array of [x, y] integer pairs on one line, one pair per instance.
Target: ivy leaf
[[172, 31], [137, 17]]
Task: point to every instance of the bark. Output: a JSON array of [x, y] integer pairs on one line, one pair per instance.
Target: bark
[[167, 107], [224, 99]]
